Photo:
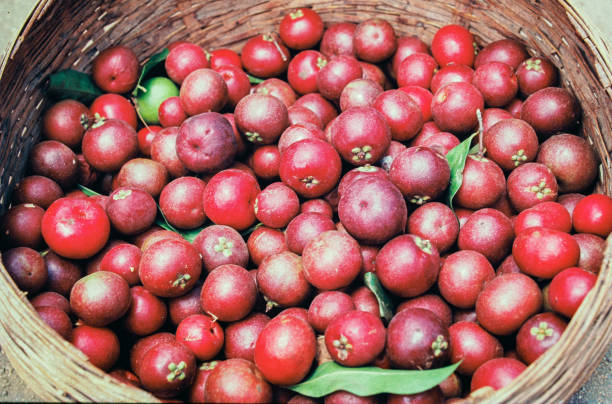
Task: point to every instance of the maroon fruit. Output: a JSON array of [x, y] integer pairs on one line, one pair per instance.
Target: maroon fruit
[[301, 28], [416, 70], [115, 69], [237, 381], [510, 143], [183, 59], [64, 122], [508, 51], [496, 82], [435, 222], [338, 39], [453, 43], [181, 202], [431, 302], [183, 306], [593, 214], [100, 298], [282, 281], [264, 242], [538, 334], [276, 205], [569, 288], [326, 306], [304, 227], [359, 93], [220, 245], [100, 345], [143, 173], [336, 74], [61, 273], [261, 118], [472, 345], [147, 313], [355, 338], [109, 144], [123, 259], [302, 71], [483, 183], [51, 299], [22, 225], [592, 249], [402, 114], [551, 110], [534, 74], [55, 160], [462, 277], [203, 90], [489, 232], [37, 190], [26, 267], [497, 373], [229, 293], [131, 210], [552, 215], [530, 184], [57, 319], [454, 107], [171, 113], [451, 74], [163, 150], [202, 335], [265, 56], [241, 336]]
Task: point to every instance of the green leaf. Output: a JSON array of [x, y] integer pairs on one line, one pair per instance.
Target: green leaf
[[152, 63], [246, 233], [254, 80], [368, 381], [72, 84], [384, 302], [87, 191], [456, 161]]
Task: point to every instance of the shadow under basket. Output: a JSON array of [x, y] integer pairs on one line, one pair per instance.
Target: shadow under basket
[[62, 34]]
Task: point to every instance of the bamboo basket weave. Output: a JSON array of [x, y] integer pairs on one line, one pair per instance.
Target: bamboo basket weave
[[69, 34]]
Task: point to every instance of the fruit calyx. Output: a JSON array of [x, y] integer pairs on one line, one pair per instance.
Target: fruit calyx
[[361, 153], [519, 157], [541, 331], [224, 246], [181, 280], [423, 244], [343, 346], [310, 181], [296, 14], [253, 137], [176, 371], [439, 346], [541, 190]]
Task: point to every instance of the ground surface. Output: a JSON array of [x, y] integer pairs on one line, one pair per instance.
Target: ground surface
[[597, 390]]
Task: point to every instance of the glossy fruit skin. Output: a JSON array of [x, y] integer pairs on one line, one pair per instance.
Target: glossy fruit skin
[[401, 113], [304, 227], [338, 39], [530, 184], [203, 90], [285, 350], [115, 69], [311, 167], [435, 222], [229, 293], [336, 74], [75, 228], [282, 281], [158, 89], [417, 69], [38, 190], [453, 43], [534, 74], [552, 215], [372, 210], [57, 319], [551, 110], [331, 260], [184, 59], [450, 74], [170, 112], [63, 122], [497, 373], [568, 289], [431, 302], [131, 210], [265, 56], [327, 305], [149, 175], [361, 135], [359, 93], [302, 71], [183, 306], [241, 336], [202, 335], [143, 345], [61, 273], [21, 226], [408, 265], [115, 106], [101, 345], [422, 97], [261, 118], [508, 51], [374, 40], [355, 338], [26, 267], [462, 277], [51, 299], [237, 381], [181, 202], [506, 302], [454, 107], [497, 83], [237, 82], [147, 313], [417, 340], [538, 334], [324, 109], [100, 298], [108, 146], [301, 28], [483, 183], [510, 143], [55, 160], [543, 252], [170, 268], [471, 344], [592, 249], [224, 57], [219, 244], [123, 259], [265, 241], [593, 214], [229, 198]]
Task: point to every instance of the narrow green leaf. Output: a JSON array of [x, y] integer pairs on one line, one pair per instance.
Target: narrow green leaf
[[255, 80], [246, 233], [72, 84], [87, 191], [152, 63], [367, 381], [384, 302], [456, 160]]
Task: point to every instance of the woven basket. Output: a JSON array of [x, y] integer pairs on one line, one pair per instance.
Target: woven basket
[[62, 34]]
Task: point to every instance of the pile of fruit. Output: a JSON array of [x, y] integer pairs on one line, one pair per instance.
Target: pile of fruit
[[378, 219]]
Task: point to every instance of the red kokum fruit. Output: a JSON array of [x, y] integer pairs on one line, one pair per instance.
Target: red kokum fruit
[[338, 39], [338, 397], [534, 74], [324, 109], [57, 319], [229, 293], [593, 214], [108, 144], [592, 249], [422, 97], [149, 238], [261, 118], [265, 55], [114, 106], [61, 273], [374, 40], [183, 306], [508, 51], [145, 138], [497, 373], [285, 350], [420, 173], [277, 88], [450, 74], [545, 214], [26, 267], [454, 107], [402, 114], [229, 198], [394, 149], [406, 46], [365, 300], [100, 345], [568, 289], [142, 345], [301, 28], [510, 143], [472, 345], [361, 135], [496, 82], [181, 202], [276, 205], [483, 183], [184, 59], [282, 281], [317, 206], [506, 302], [37, 190], [491, 116], [51, 299], [123, 259], [443, 142], [416, 70], [64, 122], [170, 267], [357, 173], [435, 222], [530, 184], [572, 160], [147, 313], [331, 260], [302, 71], [220, 245], [551, 110], [408, 265], [417, 340], [149, 175], [131, 210], [326, 306], [241, 336], [514, 107], [21, 226], [431, 302], [305, 227], [115, 69], [224, 57], [295, 133], [205, 143], [237, 381], [462, 277], [538, 334], [374, 73], [453, 44], [355, 338], [237, 82], [265, 161], [489, 232], [265, 241], [359, 93], [171, 112], [202, 335], [100, 298], [569, 201], [55, 160], [311, 167], [336, 74], [75, 228]]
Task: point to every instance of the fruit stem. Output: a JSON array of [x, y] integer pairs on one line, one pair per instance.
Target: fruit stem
[[138, 112], [278, 48], [481, 149]]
